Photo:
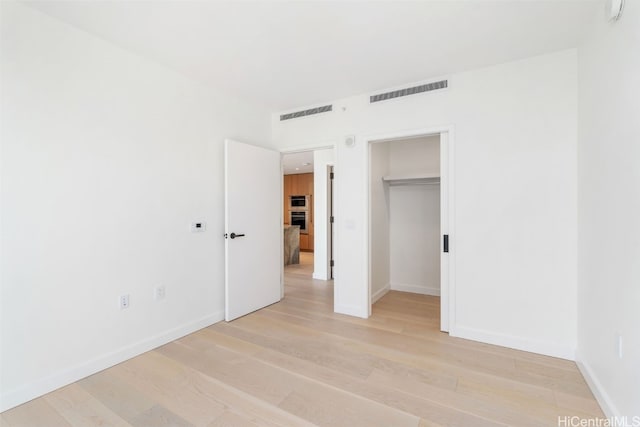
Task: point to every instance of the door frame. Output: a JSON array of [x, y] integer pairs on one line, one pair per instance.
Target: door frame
[[300, 149], [447, 214], [330, 223]]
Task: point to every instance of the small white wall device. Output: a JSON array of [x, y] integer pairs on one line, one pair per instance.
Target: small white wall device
[[350, 141]]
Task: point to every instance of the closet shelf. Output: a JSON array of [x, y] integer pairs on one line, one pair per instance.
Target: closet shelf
[[412, 180]]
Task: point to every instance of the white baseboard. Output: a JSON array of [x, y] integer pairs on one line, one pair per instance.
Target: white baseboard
[[595, 385], [379, 294], [416, 289], [27, 392], [519, 343], [319, 276], [351, 310]]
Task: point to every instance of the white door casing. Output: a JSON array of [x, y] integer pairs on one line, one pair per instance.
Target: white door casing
[[447, 218], [253, 208], [444, 231]]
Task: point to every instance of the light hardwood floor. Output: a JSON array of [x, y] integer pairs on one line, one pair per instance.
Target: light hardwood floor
[[296, 363]]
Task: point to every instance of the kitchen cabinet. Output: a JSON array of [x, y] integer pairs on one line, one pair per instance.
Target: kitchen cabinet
[[288, 179], [308, 184], [299, 185], [295, 185], [286, 189], [304, 242]]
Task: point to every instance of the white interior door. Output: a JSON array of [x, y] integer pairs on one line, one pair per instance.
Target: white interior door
[[253, 228]]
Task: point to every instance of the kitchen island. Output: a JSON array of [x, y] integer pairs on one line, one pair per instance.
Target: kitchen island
[[291, 244]]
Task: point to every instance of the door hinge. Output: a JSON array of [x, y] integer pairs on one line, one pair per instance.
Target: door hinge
[[331, 219], [331, 175], [445, 243], [332, 264]]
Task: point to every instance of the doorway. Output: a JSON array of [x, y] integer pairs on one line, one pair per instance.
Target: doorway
[[409, 217], [306, 209], [260, 238]]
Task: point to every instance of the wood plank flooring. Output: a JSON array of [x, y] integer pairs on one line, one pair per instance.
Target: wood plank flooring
[[296, 363]]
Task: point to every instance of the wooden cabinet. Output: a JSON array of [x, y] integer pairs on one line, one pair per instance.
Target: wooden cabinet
[[308, 184], [288, 184], [304, 242], [295, 184], [286, 189], [299, 185]]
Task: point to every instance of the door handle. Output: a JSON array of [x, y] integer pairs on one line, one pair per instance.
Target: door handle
[[234, 235], [445, 243]]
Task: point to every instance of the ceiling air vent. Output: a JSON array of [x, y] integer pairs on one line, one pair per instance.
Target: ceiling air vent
[[303, 113], [409, 91]]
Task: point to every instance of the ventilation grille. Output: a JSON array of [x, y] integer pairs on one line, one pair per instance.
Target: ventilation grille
[[308, 112], [409, 91]]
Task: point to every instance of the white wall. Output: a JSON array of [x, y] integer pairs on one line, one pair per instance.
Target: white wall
[[414, 225], [415, 156], [609, 209], [515, 179], [322, 159], [380, 260], [106, 160], [415, 238]]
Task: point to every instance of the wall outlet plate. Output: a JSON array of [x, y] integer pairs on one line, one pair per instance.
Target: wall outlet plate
[[159, 292], [619, 346], [123, 301]]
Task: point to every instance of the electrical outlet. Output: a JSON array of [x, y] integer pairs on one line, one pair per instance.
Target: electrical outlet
[[159, 293], [124, 301]]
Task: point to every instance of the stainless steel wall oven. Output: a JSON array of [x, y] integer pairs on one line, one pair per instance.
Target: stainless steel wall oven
[[298, 203], [300, 218]]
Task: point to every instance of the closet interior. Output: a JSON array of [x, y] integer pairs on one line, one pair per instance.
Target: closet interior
[[405, 216]]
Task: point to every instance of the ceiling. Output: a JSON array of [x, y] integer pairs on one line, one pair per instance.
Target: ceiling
[[295, 54], [293, 163]]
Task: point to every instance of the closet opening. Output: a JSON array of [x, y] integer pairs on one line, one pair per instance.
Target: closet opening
[[408, 224]]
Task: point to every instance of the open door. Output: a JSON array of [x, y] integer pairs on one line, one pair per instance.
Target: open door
[[253, 228]]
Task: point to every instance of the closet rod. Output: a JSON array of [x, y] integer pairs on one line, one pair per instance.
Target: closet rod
[[418, 179], [408, 183]]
